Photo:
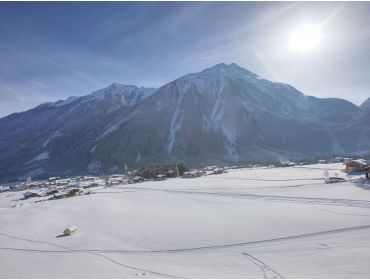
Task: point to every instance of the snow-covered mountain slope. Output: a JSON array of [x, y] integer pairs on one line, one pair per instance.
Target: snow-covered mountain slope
[[227, 114], [57, 135], [224, 114]]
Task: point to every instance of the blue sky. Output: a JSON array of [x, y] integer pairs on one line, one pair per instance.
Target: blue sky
[[50, 51]]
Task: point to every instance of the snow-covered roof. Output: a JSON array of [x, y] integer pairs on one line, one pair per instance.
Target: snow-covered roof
[[359, 161]]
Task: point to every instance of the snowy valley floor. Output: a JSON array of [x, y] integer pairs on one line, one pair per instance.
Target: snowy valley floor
[[261, 223]]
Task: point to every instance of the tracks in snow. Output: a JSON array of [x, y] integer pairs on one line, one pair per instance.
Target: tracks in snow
[[268, 272], [277, 198], [70, 250], [191, 249]]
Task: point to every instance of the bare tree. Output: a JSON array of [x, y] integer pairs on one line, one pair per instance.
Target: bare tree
[[326, 174], [106, 178]]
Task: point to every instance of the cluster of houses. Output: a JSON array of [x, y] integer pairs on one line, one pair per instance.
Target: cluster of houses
[[57, 188]]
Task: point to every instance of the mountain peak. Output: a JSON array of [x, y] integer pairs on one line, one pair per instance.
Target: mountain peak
[[228, 68]]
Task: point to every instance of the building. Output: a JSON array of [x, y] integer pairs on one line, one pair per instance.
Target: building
[[137, 179], [30, 194], [171, 173], [367, 171], [4, 189], [218, 170], [161, 177], [356, 165], [70, 230], [194, 174]]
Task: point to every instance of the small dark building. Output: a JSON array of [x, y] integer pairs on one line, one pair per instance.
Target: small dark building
[[137, 179], [367, 172], [171, 173]]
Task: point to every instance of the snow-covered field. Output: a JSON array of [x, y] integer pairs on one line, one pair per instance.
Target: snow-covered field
[[261, 223]]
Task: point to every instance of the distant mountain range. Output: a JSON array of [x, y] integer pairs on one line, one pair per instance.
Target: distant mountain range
[[222, 115]]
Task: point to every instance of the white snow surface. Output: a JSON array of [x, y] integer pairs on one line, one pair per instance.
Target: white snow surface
[[258, 223]]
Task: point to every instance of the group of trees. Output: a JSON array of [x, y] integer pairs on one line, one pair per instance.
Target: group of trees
[[153, 171]]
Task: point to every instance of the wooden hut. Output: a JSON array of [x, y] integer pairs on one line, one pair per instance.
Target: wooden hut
[[357, 165], [70, 230]]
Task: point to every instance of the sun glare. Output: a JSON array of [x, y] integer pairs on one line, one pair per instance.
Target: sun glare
[[305, 38]]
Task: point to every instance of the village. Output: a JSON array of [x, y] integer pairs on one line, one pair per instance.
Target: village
[[59, 188]]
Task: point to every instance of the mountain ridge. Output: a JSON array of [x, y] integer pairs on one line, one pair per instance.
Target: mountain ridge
[[224, 114]]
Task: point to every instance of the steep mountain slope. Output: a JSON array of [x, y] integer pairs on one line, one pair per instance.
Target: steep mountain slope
[[55, 138], [224, 114]]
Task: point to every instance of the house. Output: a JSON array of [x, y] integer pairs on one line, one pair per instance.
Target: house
[[210, 168], [218, 170], [4, 189], [89, 178], [75, 191], [86, 185], [60, 195], [137, 179], [171, 173], [115, 182], [194, 174], [52, 192], [367, 172], [31, 194], [356, 165], [161, 177]]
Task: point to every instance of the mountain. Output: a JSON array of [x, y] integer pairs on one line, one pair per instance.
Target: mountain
[[222, 115], [57, 135]]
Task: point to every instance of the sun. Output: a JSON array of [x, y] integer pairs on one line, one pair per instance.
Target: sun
[[305, 38]]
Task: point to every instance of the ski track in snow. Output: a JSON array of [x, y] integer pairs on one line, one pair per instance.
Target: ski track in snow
[[182, 250], [69, 250], [277, 198], [268, 272]]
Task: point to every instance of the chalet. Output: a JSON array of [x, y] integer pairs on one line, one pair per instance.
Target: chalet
[[218, 171], [53, 179], [52, 192], [31, 194], [86, 185], [115, 182], [75, 191], [137, 179], [89, 178], [4, 189], [356, 165], [60, 195], [367, 172], [194, 174], [171, 173], [161, 177], [210, 168]]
